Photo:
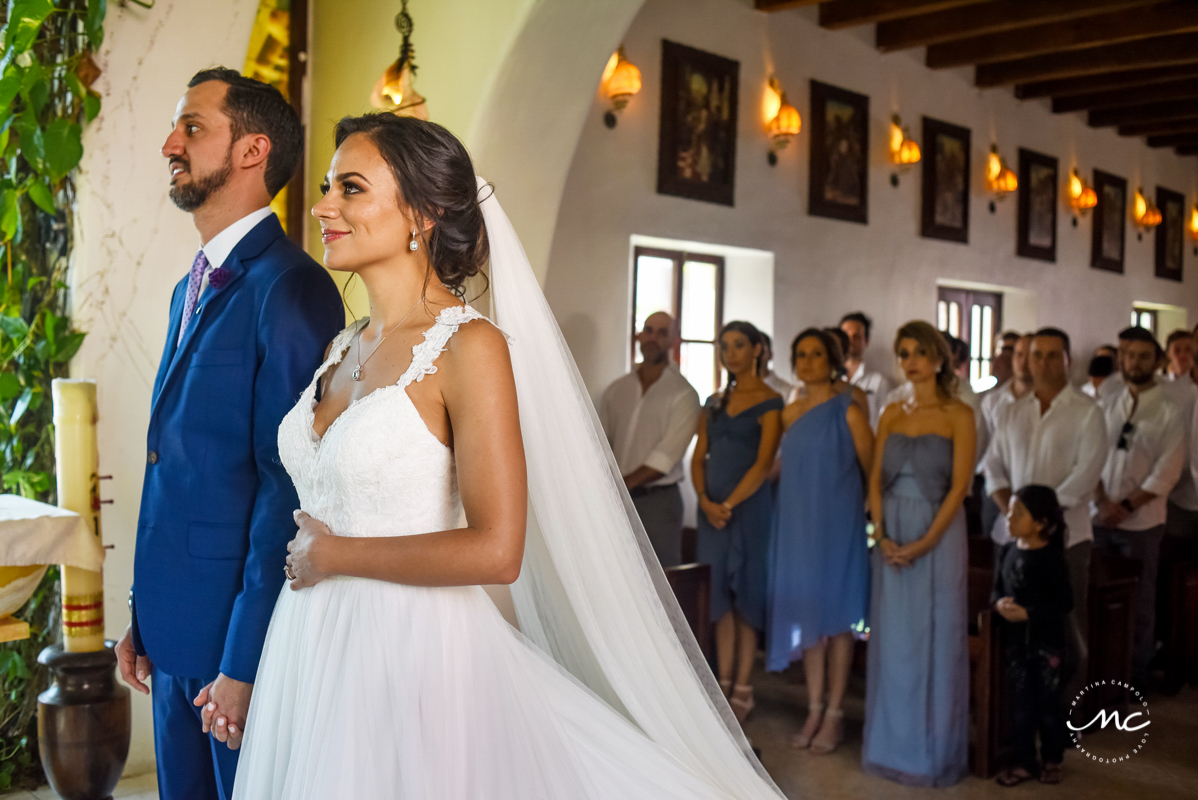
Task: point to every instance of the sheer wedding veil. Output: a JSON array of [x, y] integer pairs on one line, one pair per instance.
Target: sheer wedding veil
[[591, 592]]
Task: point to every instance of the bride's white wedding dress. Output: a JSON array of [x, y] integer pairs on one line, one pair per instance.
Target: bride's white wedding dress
[[372, 690], [369, 689]]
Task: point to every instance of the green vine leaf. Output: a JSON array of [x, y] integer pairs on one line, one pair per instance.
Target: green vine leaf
[[93, 24], [68, 346], [10, 86], [40, 193], [18, 409], [64, 147], [14, 327], [91, 105], [10, 386], [10, 218], [25, 18]]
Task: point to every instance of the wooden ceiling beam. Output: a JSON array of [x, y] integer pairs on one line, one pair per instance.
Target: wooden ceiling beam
[[993, 17], [782, 5], [1173, 90], [1188, 151], [1159, 128], [1174, 140], [1159, 51], [1149, 112], [1127, 25], [838, 14], [1107, 81]]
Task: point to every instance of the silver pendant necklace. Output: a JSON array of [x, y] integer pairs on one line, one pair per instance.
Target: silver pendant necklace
[[357, 375]]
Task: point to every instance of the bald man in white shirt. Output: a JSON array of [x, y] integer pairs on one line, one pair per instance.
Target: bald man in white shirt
[[650, 416]]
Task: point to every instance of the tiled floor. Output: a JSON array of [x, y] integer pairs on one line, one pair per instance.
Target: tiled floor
[[1165, 770]]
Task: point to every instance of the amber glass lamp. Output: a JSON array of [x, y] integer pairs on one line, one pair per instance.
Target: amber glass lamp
[[393, 91], [1144, 213], [621, 80], [1000, 179], [784, 123]]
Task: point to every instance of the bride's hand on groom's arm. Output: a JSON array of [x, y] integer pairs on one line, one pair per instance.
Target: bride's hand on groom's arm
[[226, 703], [305, 551]]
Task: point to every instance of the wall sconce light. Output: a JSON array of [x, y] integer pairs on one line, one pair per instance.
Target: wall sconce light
[[783, 124], [1194, 227], [1081, 196], [621, 80], [1000, 180], [904, 151], [1145, 214], [393, 91]]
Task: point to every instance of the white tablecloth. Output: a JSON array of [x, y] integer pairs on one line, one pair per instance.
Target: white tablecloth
[[37, 533]]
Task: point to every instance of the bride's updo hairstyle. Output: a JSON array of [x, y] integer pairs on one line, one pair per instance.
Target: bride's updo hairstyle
[[436, 181]]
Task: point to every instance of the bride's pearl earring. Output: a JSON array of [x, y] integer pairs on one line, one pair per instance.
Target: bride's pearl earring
[[414, 245]]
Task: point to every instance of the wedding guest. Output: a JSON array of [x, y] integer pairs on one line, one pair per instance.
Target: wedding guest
[[1033, 597], [876, 386], [917, 689], [649, 416], [769, 374], [819, 587], [1179, 349], [1145, 455], [1100, 369], [738, 436], [1004, 348], [1181, 518], [959, 353], [1113, 384], [1015, 387], [1054, 436]]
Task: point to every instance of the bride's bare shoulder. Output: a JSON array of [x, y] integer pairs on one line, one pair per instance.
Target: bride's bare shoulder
[[478, 345]]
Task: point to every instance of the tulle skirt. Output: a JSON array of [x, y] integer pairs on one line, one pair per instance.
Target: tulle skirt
[[377, 690]]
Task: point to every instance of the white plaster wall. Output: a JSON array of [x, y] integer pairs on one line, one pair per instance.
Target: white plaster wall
[[825, 267], [131, 248]]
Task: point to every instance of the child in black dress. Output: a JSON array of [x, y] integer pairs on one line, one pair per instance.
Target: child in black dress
[[1033, 596]]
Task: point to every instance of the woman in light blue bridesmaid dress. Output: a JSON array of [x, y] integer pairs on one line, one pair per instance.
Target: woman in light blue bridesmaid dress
[[819, 572], [917, 690]]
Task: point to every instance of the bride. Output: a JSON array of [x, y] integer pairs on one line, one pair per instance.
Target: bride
[[416, 452]]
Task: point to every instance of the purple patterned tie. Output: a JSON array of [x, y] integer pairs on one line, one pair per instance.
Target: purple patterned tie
[[198, 268]]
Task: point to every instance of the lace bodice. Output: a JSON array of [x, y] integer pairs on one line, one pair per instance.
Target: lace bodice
[[377, 471]]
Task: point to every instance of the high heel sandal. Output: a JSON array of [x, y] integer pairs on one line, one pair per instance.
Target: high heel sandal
[[821, 744], [802, 739], [741, 701]]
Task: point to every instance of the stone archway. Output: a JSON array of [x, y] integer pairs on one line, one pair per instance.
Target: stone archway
[[530, 120]]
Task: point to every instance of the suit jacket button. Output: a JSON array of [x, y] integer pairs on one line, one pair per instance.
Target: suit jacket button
[[153, 457]]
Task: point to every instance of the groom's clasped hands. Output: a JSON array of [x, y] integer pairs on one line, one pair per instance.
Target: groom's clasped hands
[[226, 703]]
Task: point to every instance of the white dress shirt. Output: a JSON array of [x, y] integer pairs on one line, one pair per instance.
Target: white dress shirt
[[651, 428], [1064, 448], [220, 245], [1154, 455], [876, 388], [995, 401], [1184, 392]]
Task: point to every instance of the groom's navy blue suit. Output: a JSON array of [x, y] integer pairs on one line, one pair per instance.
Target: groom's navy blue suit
[[216, 506]]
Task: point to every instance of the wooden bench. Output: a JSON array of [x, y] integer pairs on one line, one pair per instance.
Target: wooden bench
[[692, 586], [1177, 612]]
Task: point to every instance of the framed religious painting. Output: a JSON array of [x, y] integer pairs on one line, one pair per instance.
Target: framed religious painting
[[1170, 234], [1110, 222], [945, 191], [1037, 228], [696, 154], [838, 184]]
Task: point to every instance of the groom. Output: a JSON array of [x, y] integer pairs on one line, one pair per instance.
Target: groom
[[248, 327]]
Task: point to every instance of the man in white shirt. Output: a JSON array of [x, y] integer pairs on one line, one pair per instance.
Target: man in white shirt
[[1100, 370], [875, 385], [768, 373], [1004, 350], [1144, 460], [1017, 386], [1053, 436], [650, 416], [1178, 382]]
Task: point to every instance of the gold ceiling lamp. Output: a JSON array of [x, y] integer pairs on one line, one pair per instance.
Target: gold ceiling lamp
[[394, 91]]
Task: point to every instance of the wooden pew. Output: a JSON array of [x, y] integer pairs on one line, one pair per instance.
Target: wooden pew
[[692, 586]]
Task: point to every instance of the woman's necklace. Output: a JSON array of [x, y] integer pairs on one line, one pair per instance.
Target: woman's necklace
[[358, 369]]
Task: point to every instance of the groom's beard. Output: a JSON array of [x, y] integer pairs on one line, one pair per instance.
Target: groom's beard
[[190, 196]]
